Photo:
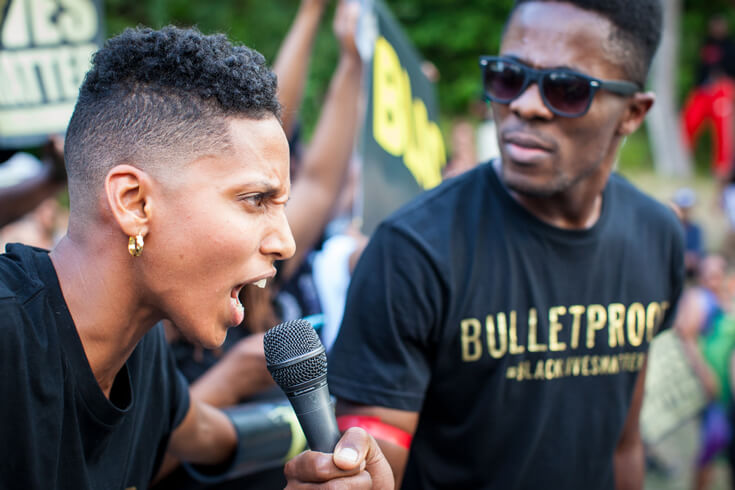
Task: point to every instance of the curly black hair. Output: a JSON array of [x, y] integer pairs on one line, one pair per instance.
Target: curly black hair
[[154, 96], [638, 25]]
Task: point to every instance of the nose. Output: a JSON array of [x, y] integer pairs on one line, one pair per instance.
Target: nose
[[530, 105], [279, 241]]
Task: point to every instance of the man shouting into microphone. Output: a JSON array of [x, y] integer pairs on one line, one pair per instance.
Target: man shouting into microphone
[[178, 176], [502, 320]]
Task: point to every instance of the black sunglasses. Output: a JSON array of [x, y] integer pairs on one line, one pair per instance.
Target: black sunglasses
[[565, 92]]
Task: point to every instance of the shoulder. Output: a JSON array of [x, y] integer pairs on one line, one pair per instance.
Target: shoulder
[[464, 187], [19, 277], [630, 203], [430, 217]]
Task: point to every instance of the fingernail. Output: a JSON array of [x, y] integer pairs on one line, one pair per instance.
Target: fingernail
[[348, 454]]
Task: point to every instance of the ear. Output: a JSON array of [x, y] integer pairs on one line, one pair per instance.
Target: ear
[[128, 191], [635, 112]]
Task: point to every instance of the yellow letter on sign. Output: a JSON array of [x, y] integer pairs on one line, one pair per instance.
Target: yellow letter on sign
[[389, 116]]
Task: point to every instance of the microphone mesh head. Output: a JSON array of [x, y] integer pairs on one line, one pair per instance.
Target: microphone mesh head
[[290, 340]]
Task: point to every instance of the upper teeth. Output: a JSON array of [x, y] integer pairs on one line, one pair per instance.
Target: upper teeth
[[261, 283]]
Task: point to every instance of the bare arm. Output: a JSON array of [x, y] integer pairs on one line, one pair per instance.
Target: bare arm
[[205, 436], [689, 319], [241, 373], [629, 461], [23, 198], [293, 57], [396, 455], [326, 160]]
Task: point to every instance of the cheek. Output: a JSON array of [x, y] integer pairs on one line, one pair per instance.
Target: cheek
[[588, 140], [203, 244]]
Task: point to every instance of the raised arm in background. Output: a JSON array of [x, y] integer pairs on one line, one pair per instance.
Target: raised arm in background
[[20, 199], [326, 160], [292, 61]]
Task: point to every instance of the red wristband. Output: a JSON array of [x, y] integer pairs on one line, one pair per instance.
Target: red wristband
[[376, 428]]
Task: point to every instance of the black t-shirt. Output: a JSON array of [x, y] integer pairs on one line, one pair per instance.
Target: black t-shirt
[[519, 343], [58, 429]]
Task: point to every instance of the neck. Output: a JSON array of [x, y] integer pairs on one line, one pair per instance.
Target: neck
[[98, 285], [577, 208]]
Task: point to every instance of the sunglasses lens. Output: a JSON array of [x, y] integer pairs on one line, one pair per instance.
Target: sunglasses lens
[[503, 80], [567, 93]]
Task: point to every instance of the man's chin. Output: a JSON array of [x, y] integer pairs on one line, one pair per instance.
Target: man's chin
[[528, 188]]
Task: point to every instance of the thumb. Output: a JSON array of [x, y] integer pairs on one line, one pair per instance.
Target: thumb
[[358, 448], [352, 448]]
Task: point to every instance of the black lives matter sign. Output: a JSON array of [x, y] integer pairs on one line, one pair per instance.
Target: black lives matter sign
[[401, 146], [45, 51]]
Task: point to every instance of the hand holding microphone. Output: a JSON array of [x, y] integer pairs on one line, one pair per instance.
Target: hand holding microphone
[[298, 363]]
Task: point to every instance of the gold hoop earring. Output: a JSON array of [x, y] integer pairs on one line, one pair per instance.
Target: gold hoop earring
[[135, 245]]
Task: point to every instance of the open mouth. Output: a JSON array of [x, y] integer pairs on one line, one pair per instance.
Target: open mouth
[[238, 310]]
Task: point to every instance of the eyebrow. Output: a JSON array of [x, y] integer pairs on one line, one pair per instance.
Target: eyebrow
[[266, 188], [560, 67]]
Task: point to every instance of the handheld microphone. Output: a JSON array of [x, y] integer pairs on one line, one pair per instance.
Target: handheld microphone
[[298, 363]]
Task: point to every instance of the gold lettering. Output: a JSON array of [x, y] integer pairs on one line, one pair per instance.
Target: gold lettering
[[636, 324], [524, 371], [614, 365], [653, 315], [533, 345], [616, 320], [552, 369], [471, 345], [497, 351], [627, 361], [585, 365], [555, 327], [513, 335], [641, 361], [539, 374], [559, 368], [575, 365], [604, 364], [576, 311], [596, 319], [595, 365]]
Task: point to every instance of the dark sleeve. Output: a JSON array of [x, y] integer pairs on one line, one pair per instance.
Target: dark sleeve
[[24, 461], [382, 355], [677, 275]]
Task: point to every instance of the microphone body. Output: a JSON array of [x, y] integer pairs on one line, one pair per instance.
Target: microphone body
[[298, 363]]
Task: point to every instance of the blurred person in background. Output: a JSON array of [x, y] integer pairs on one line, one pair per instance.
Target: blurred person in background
[[38, 180], [464, 154], [727, 250], [497, 327], [685, 200], [713, 99], [707, 331]]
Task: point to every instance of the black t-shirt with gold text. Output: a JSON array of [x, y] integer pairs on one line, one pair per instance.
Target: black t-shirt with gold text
[[518, 342]]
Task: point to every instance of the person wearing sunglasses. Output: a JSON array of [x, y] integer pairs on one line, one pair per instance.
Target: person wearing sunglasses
[[496, 329]]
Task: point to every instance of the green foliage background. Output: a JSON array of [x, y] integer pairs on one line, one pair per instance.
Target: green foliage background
[[450, 33]]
